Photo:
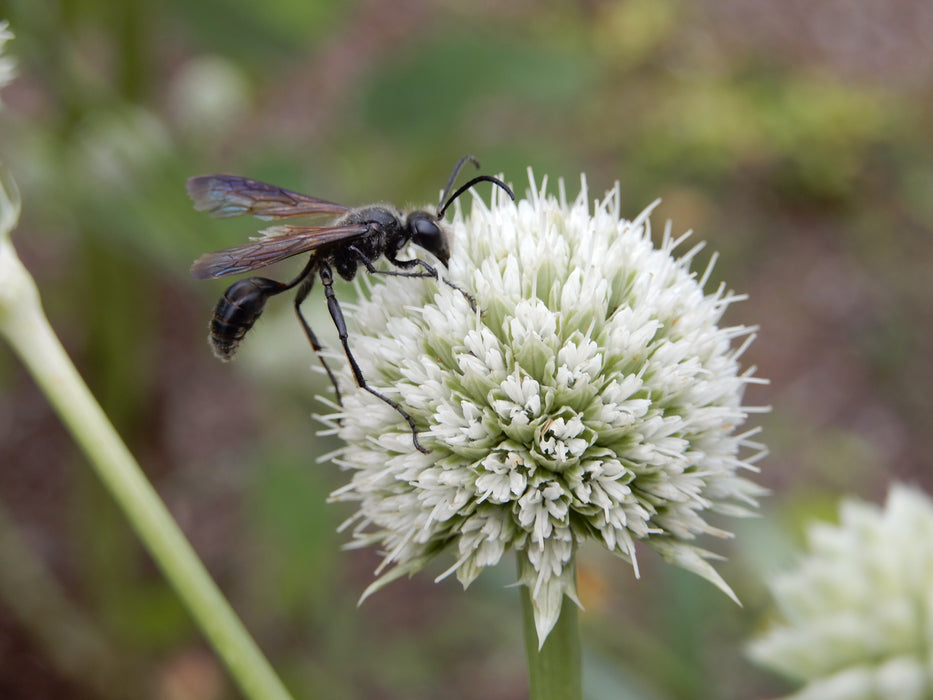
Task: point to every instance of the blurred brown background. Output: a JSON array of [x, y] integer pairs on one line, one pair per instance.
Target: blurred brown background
[[794, 137]]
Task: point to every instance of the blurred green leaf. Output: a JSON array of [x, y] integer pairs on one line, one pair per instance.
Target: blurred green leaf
[[296, 535], [444, 85]]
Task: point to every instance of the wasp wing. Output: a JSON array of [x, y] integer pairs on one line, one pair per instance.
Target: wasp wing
[[278, 243], [231, 195]]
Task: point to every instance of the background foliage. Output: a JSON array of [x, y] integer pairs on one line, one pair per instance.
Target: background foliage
[[795, 137]]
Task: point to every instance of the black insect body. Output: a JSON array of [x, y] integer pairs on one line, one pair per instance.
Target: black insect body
[[237, 311], [358, 237]]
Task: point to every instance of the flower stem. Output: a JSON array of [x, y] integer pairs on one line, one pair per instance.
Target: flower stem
[[24, 325], [554, 670]]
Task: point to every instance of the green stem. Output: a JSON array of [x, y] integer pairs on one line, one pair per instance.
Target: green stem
[[23, 323], [554, 670]]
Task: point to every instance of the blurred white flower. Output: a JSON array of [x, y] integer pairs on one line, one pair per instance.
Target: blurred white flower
[[593, 396], [117, 146], [208, 96], [856, 614], [7, 63]]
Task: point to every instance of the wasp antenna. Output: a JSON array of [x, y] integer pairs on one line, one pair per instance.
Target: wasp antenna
[[479, 178], [450, 183]]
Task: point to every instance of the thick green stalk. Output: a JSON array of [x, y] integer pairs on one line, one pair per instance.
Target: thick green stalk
[[555, 670], [23, 323]]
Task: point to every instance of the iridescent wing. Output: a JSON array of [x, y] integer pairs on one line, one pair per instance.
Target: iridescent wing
[[277, 243], [231, 195]]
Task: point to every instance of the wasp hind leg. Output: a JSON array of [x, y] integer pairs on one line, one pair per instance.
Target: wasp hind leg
[[327, 278], [303, 290]]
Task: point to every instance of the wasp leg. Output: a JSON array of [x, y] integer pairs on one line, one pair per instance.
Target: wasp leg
[[305, 281], [466, 295], [429, 271], [404, 264], [336, 314], [303, 290]]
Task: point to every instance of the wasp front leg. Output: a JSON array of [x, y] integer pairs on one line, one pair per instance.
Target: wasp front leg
[[327, 278], [429, 271]]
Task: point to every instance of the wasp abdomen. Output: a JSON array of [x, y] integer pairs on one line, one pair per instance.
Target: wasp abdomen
[[237, 311]]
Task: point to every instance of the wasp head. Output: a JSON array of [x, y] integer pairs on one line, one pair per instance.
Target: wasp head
[[427, 233]]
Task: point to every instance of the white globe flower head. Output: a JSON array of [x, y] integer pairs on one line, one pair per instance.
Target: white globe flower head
[[856, 614], [589, 395]]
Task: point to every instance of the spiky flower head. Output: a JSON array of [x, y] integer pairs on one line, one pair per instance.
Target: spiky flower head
[[856, 613], [590, 395]]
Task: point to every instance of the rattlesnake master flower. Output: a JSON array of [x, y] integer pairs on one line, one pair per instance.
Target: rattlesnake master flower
[[591, 396], [857, 611]]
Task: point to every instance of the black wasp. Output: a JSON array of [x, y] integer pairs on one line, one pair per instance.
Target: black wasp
[[356, 237]]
